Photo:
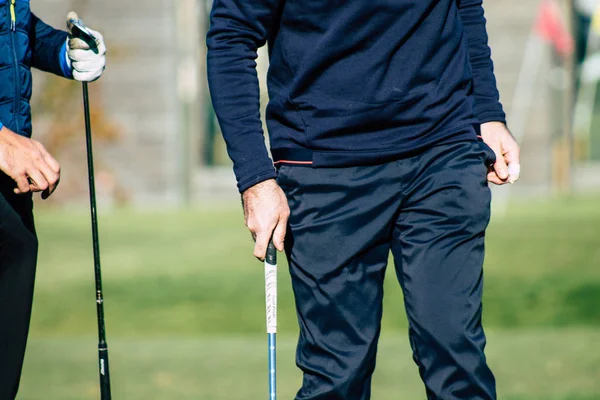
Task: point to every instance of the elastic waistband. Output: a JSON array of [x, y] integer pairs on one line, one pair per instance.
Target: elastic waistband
[[292, 156], [300, 156]]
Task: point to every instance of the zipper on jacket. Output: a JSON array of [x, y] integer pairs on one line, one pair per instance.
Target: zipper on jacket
[[13, 28], [13, 16]]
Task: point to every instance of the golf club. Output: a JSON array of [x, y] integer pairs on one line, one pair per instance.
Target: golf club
[[79, 30], [271, 307]]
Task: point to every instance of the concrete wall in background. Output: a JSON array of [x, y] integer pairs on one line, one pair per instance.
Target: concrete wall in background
[[510, 26], [139, 91]]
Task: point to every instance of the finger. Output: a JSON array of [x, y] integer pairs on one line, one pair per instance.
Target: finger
[[511, 152], [492, 177], [22, 184], [514, 171], [501, 168], [262, 241], [77, 55], [279, 233], [51, 161], [72, 15], [78, 44], [51, 177], [89, 65], [512, 158], [99, 41], [38, 182], [87, 76], [88, 71]]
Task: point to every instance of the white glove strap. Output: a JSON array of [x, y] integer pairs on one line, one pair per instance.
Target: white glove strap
[[67, 56]]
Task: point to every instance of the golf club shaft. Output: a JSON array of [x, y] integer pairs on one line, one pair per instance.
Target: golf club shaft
[[102, 346], [271, 309], [272, 366]]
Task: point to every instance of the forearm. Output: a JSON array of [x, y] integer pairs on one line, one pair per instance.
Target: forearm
[[49, 48], [238, 29], [235, 94], [487, 99]]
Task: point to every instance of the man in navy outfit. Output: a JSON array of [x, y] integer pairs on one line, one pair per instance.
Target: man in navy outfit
[[385, 128], [25, 165]]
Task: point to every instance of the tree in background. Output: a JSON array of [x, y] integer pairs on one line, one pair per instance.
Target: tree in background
[[59, 124]]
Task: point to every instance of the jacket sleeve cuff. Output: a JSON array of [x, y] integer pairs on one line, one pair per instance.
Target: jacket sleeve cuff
[[65, 62], [495, 116], [255, 179]]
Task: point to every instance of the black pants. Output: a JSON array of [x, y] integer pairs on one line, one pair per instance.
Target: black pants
[[18, 255], [431, 210]]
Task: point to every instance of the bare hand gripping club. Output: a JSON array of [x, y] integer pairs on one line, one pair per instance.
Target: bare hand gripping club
[[79, 30], [271, 308]]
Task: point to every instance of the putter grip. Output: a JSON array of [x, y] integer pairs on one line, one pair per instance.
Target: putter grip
[[271, 254], [271, 288]]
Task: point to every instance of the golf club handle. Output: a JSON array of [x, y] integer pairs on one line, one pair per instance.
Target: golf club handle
[[271, 310], [271, 288], [104, 371], [271, 257]]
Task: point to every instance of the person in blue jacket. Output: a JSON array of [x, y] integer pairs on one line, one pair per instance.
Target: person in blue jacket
[[385, 128], [25, 166]]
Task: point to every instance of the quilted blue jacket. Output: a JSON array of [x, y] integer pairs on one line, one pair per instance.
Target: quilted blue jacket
[[25, 42]]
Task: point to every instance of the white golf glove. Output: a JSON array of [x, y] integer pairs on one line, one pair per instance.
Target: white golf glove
[[87, 62]]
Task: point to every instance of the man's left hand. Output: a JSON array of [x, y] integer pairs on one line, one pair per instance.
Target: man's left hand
[[507, 167], [88, 60]]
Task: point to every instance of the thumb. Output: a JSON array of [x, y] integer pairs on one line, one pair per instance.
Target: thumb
[[81, 38], [262, 241], [71, 16]]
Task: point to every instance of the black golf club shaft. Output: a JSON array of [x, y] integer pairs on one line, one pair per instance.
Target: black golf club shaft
[[102, 346]]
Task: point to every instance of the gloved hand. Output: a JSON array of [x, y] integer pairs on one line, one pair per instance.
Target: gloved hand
[[87, 58]]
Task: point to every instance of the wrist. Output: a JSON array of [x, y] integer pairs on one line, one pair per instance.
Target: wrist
[[65, 61], [267, 184], [255, 179]]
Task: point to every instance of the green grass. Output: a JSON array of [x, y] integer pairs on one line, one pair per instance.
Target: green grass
[[185, 313], [532, 365]]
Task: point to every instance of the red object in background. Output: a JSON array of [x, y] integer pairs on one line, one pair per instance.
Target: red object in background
[[551, 27]]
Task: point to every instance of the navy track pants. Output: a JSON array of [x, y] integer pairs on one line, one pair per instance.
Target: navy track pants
[[431, 210], [18, 256]]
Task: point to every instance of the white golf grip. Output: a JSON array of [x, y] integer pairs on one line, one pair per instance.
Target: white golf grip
[[271, 296]]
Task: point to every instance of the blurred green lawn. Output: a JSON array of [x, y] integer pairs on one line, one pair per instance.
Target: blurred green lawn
[[185, 314]]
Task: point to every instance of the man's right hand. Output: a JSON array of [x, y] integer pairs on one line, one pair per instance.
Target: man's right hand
[[28, 163], [266, 213]]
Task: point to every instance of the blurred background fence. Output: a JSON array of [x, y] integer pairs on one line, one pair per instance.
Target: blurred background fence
[[163, 145], [186, 322]]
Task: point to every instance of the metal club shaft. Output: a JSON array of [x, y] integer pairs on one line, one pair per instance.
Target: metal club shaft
[[105, 393]]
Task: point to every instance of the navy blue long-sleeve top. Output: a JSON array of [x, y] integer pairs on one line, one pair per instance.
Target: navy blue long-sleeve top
[[351, 82]]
